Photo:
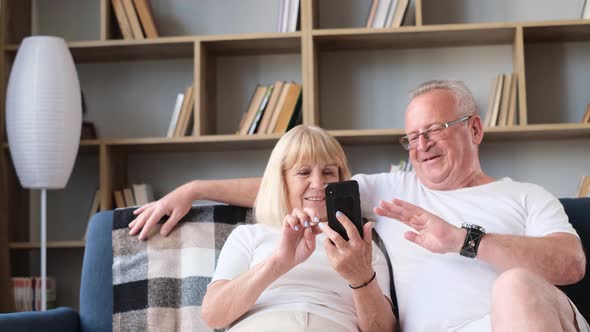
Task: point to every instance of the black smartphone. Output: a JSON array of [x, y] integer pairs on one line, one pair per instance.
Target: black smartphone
[[344, 197]]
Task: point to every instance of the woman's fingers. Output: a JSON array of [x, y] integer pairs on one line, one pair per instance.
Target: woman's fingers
[[333, 235]]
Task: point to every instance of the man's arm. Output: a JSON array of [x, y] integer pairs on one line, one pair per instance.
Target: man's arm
[[558, 257], [176, 204]]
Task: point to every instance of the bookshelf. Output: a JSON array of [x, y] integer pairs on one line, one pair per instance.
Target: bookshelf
[[355, 82]]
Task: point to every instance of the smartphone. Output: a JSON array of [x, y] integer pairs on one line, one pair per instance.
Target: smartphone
[[344, 197]]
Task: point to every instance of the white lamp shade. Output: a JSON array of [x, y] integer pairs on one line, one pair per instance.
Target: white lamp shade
[[43, 113]]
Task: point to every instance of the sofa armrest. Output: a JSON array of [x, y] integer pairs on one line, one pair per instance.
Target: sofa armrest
[[59, 319]]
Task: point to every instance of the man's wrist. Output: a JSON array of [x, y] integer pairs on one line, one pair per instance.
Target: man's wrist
[[461, 233]]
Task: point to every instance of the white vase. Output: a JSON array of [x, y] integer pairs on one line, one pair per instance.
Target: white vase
[[43, 113]]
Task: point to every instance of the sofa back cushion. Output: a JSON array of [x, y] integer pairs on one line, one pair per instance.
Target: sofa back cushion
[[159, 284], [578, 211]]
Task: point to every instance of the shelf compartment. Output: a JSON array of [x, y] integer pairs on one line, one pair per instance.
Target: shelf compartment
[[558, 31], [415, 37]]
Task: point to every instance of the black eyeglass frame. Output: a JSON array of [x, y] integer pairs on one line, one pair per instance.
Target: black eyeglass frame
[[405, 140]]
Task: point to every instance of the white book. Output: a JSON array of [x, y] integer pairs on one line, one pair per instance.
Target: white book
[[381, 14], [143, 193], [175, 114], [586, 10], [280, 16], [293, 15], [285, 19], [390, 12]]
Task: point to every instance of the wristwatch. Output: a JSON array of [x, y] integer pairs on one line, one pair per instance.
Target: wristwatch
[[474, 235]]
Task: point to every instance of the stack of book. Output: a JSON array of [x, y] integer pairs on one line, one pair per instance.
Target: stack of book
[[288, 18], [137, 195], [502, 106], [387, 13], [135, 19], [273, 109], [183, 114], [27, 293]]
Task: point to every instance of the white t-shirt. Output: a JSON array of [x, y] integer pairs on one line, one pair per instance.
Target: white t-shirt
[[312, 286], [440, 292]]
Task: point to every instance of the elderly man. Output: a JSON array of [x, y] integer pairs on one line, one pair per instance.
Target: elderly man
[[479, 253]]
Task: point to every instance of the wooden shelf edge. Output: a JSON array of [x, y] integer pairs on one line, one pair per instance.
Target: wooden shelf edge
[[170, 40], [350, 135], [50, 245]]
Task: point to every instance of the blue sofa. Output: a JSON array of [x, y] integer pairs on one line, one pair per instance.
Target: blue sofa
[[96, 296]]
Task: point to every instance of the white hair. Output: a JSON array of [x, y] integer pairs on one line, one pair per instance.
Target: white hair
[[466, 104]]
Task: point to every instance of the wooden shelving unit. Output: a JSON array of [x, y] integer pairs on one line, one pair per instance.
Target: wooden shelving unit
[[307, 45]]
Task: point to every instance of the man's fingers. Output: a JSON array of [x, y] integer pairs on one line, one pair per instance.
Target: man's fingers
[[413, 237], [139, 222], [169, 224], [154, 218], [141, 208]]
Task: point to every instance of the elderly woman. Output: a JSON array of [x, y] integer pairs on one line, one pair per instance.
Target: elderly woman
[[290, 271]]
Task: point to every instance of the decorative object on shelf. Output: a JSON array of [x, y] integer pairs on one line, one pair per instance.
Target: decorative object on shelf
[[43, 120], [586, 117]]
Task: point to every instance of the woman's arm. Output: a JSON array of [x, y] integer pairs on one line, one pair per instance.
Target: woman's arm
[[227, 300], [373, 309], [353, 260]]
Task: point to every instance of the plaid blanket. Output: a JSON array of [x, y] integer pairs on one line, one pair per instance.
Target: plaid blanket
[[159, 284]]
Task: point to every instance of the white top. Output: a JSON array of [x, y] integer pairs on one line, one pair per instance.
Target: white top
[[440, 292], [312, 286]]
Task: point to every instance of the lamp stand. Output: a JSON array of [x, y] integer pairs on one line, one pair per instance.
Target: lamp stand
[[43, 249]]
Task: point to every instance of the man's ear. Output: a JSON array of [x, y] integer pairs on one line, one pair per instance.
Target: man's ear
[[476, 129]]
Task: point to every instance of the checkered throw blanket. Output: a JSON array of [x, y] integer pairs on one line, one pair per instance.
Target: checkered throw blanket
[[159, 284]]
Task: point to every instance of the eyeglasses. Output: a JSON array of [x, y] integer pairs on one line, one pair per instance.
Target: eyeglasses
[[435, 133]]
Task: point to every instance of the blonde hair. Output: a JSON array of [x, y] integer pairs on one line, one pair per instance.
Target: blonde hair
[[302, 145], [466, 104]]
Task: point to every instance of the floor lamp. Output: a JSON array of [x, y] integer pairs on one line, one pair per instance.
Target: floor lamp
[[43, 122]]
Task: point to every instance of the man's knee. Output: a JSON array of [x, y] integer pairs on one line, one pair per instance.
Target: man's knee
[[518, 284]]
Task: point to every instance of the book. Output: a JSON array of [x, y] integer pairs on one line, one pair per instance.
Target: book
[[586, 10], [124, 24], [175, 114], [297, 117], [381, 14], [270, 107], [23, 293], [293, 16], [144, 12], [255, 102], [277, 110], [584, 187], [143, 193], [119, 199], [390, 13], [285, 15], [504, 103], [261, 110], [186, 113], [50, 293], [488, 115], [128, 195], [287, 108], [372, 12], [94, 208], [497, 99], [399, 14], [512, 114], [586, 117], [133, 19]]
